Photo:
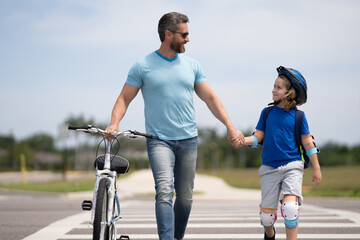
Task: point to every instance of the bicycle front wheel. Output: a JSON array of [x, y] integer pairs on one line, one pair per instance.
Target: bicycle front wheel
[[100, 226]]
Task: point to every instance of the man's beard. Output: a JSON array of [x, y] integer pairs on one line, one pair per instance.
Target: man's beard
[[177, 47]]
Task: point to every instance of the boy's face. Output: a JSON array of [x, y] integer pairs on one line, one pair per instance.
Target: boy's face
[[279, 89]]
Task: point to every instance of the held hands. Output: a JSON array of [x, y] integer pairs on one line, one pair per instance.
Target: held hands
[[235, 137]]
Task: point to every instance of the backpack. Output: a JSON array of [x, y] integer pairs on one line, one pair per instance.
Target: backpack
[[299, 115]]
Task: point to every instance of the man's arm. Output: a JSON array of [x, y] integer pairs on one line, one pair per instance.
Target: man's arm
[[205, 93], [128, 93]]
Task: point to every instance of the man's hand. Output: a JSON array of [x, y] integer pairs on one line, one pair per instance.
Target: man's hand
[[110, 129], [235, 137]]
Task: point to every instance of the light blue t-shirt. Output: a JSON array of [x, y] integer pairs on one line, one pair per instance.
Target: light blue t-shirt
[[279, 142], [167, 86]]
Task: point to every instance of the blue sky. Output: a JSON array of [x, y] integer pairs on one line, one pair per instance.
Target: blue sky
[[64, 57]]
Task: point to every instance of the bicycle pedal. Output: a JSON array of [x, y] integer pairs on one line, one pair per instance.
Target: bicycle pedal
[[123, 237], [86, 205]]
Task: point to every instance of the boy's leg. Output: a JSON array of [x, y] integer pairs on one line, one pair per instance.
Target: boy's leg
[[291, 233], [270, 192], [292, 194], [270, 218]]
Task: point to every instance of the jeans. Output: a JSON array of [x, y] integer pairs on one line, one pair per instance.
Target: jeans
[[173, 164]]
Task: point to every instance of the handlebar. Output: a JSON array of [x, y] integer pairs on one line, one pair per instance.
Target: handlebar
[[78, 128], [127, 133]]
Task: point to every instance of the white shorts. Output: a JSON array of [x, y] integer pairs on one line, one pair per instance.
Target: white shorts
[[287, 178]]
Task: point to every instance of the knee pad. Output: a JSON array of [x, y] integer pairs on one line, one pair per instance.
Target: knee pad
[[290, 213], [268, 219]]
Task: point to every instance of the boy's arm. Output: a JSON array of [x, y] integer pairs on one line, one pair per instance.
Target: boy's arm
[[308, 144], [259, 135]]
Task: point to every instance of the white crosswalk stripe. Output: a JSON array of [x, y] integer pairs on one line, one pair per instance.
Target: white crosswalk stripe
[[227, 220], [235, 236]]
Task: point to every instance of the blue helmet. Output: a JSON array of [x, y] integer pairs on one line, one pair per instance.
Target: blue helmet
[[297, 81]]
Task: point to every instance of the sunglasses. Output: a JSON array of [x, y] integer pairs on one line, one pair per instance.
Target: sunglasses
[[183, 35]]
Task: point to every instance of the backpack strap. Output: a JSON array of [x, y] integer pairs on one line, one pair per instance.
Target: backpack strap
[[299, 115], [265, 116]]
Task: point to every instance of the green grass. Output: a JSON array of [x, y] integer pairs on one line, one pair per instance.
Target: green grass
[[337, 181], [53, 186]]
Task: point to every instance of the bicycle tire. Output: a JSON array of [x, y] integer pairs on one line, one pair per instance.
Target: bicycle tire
[[101, 210]]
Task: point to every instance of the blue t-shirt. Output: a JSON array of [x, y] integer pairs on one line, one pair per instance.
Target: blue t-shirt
[[167, 86], [279, 142]]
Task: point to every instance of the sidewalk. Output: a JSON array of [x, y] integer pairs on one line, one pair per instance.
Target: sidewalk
[[206, 187], [141, 183]]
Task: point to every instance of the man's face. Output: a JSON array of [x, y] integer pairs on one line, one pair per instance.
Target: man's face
[[178, 41]]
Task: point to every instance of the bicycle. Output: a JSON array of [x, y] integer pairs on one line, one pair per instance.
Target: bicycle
[[108, 167]]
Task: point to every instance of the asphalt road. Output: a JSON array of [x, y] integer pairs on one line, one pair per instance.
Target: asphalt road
[[219, 209], [22, 214], [348, 204]]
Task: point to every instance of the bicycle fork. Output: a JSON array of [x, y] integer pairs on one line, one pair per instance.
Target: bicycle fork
[[110, 176]]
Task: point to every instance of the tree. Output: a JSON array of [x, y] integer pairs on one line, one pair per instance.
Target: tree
[[8, 156], [81, 161], [41, 142]]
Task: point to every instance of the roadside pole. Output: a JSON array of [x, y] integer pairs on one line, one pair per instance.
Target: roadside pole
[[63, 135], [23, 168]]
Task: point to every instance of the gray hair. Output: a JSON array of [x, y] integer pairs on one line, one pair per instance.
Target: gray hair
[[170, 21]]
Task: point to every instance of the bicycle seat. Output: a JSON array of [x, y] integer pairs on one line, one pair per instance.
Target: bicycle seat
[[118, 164]]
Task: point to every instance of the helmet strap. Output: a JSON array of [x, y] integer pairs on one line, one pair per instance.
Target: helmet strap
[[274, 103]]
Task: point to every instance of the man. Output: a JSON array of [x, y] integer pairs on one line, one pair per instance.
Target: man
[[167, 81]]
